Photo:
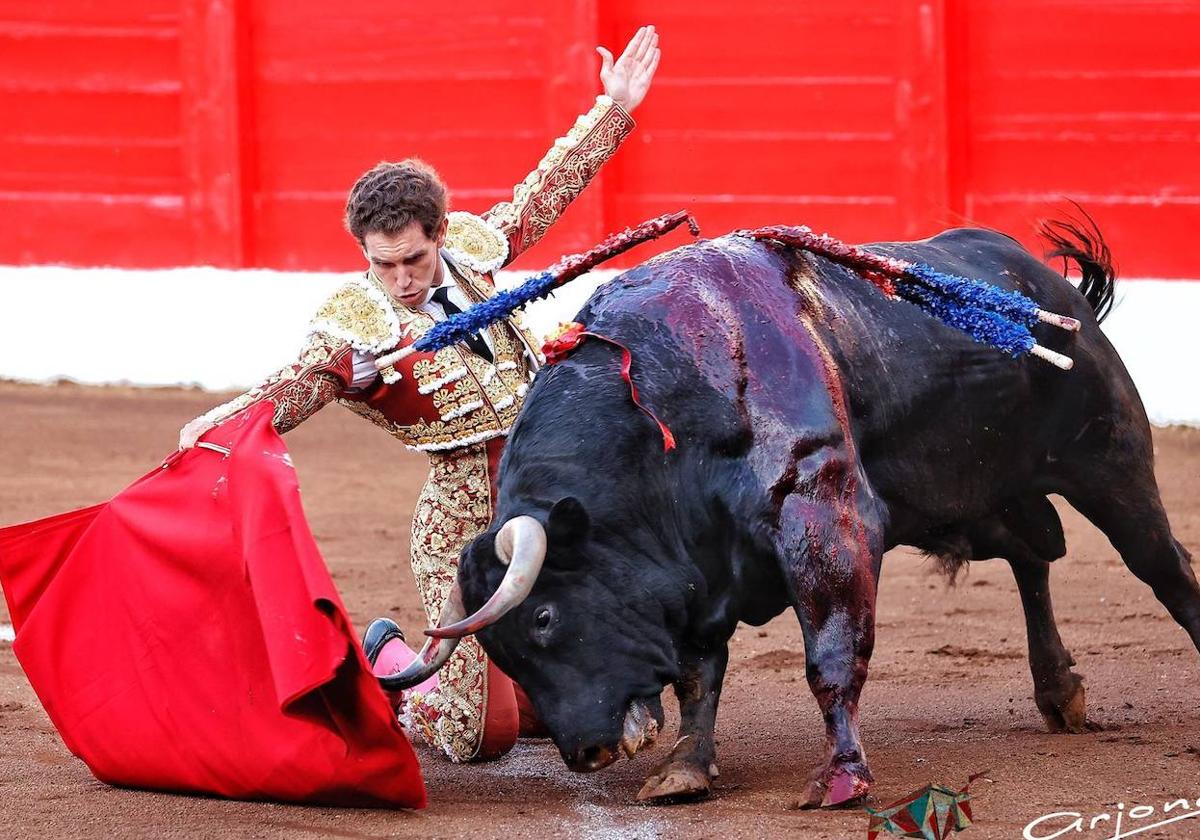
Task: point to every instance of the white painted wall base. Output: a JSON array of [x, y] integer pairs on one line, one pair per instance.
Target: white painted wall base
[[1155, 326], [223, 330]]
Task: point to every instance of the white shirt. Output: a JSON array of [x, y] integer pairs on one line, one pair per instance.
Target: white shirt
[[364, 363]]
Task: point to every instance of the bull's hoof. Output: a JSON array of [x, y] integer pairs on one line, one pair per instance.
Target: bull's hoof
[[1065, 710], [677, 781], [837, 786]]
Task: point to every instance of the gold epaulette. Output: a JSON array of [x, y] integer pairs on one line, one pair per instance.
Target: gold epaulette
[[474, 243], [360, 314]]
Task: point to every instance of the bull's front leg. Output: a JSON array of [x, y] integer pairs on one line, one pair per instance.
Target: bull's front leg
[[688, 772], [831, 563]]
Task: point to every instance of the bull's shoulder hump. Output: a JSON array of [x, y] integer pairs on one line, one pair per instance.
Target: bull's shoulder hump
[[700, 270], [973, 235], [708, 257]]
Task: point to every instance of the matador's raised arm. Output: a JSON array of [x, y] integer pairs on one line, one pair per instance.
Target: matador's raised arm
[[566, 169]]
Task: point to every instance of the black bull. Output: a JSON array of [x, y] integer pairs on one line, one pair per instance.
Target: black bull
[[819, 425]]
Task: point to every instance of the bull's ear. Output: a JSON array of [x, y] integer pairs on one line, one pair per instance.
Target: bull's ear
[[569, 522]]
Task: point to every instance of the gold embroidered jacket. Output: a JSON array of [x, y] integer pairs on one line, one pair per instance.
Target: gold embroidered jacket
[[452, 398]]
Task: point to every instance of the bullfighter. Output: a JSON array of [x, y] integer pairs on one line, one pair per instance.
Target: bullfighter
[[458, 404]]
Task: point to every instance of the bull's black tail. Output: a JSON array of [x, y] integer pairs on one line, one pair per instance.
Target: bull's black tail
[[1080, 240]]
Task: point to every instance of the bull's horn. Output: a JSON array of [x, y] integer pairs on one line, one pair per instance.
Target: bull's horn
[[434, 654], [520, 545]]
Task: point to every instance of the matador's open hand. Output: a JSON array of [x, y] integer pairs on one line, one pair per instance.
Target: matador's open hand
[[628, 79]]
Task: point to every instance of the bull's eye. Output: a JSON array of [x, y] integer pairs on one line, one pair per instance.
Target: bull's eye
[[543, 623]]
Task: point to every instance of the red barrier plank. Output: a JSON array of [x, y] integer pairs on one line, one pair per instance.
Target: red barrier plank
[[763, 38], [89, 61], [71, 166], [103, 116], [70, 14], [831, 104], [303, 40], [91, 229], [1040, 163], [1083, 35], [747, 164], [1145, 238]]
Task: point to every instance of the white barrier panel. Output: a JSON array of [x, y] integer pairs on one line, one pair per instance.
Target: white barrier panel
[[1154, 327], [222, 330]]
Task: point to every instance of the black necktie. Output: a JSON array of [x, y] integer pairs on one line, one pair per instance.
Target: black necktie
[[441, 296]]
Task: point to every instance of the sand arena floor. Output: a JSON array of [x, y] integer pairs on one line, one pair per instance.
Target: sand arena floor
[[949, 692]]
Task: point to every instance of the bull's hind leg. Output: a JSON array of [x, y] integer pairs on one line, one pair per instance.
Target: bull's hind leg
[[831, 563], [1028, 534], [1057, 690], [1122, 501], [1107, 474]]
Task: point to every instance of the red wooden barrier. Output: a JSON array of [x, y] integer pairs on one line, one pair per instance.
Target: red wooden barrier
[[1096, 101], [227, 132]]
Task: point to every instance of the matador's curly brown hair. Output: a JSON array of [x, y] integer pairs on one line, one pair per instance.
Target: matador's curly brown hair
[[391, 196]]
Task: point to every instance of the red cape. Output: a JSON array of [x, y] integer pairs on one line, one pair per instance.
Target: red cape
[[186, 636]]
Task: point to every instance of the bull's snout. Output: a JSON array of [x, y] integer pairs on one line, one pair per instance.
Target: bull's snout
[[639, 730], [590, 759]]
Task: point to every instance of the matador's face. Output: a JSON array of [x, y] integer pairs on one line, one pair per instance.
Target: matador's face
[[407, 262]]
